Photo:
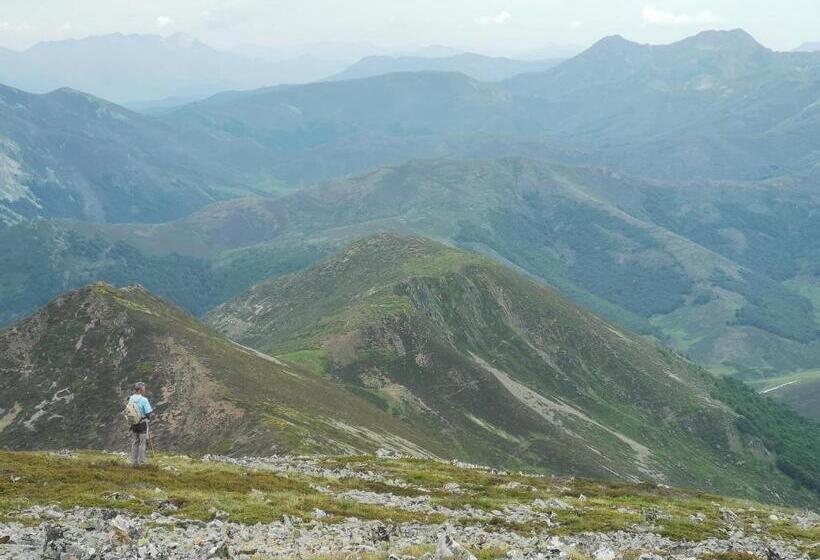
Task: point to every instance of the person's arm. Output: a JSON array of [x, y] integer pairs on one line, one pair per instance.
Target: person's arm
[[146, 408]]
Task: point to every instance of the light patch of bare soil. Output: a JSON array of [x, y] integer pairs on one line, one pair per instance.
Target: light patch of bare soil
[[554, 410], [376, 379], [9, 416], [378, 440]]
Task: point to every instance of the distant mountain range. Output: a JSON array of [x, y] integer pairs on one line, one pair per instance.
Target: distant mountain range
[[143, 70], [404, 344], [717, 105], [136, 68], [476, 66], [714, 105]]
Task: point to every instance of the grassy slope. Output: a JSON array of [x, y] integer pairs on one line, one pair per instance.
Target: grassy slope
[[250, 496], [413, 322], [65, 373]]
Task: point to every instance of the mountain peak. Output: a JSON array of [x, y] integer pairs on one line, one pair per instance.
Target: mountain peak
[[394, 242], [393, 258], [616, 43], [75, 94], [735, 39]]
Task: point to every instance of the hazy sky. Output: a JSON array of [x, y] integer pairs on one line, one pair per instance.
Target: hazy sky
[[487, 25]]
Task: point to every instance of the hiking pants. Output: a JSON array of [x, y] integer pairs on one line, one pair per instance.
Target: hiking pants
[[138, 444]]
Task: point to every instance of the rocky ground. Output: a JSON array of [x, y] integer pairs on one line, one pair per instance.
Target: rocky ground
[[434, 514]]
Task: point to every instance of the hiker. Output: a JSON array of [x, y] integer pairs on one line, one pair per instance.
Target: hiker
[[137, 412]]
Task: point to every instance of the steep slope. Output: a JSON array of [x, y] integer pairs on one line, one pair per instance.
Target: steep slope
[[67, 154], [127, 68], [476, 66], [65, 372], [508, 370]]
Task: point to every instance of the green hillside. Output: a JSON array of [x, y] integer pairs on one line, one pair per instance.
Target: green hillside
[[42, 259], [65, 373], [507, 370]]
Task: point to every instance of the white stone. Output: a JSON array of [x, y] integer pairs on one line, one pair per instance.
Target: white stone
[[605, 553]]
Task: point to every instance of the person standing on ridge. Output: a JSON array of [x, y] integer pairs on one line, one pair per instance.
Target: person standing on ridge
[[137, 412]]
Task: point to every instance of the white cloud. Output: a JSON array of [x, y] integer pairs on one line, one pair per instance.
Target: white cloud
[[65, 26], [499, 19], [656, 16], [16, 27], [164, 21], [575, 24]]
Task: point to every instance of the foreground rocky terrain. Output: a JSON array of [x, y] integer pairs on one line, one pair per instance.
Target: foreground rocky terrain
[[92, 506]]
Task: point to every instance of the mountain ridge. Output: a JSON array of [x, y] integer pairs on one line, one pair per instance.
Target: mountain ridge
[[438, 333], [476, 66], [66, 371]]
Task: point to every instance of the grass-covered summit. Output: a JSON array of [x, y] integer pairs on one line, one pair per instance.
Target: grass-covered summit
[[508, 372]]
